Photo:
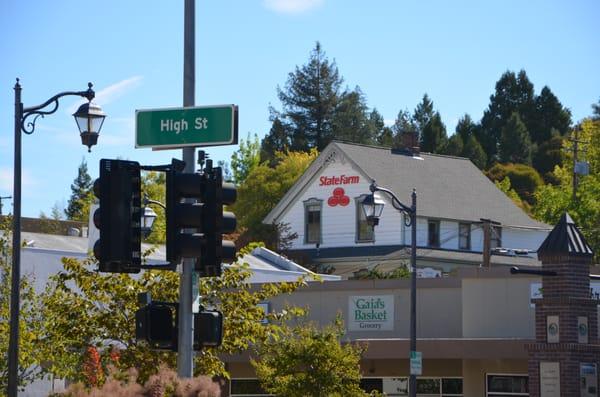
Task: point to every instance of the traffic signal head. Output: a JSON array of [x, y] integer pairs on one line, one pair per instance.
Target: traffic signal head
[[118, 217], [208, 329], [204, 219], [154, 323]]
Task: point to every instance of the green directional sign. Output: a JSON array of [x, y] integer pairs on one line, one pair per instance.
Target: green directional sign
[[189, 126]]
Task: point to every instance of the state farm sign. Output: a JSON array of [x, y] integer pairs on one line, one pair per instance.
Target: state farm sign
[[338, 180]]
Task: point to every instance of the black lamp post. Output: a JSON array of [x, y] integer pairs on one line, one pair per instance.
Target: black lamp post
[[149, 216], [372, 207], [89, 118]]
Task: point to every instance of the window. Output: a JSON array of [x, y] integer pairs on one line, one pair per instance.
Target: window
[[507, 385], [312, 221], [496, 237], [426, 387], [364, 231], [464, 236], [433, 233], [246, 388]]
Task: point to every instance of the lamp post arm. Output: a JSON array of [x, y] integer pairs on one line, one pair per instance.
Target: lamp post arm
[[38, 111], [150, 201], [395, 202]]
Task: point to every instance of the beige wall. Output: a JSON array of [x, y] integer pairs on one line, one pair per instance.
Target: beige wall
[[497, 308]]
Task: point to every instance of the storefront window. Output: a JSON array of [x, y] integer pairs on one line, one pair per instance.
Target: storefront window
[[426, 387], [312, 217], [507, 385], [464, 236], [364, 231]]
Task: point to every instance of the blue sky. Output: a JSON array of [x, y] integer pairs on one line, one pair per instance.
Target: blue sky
[[394, 50]]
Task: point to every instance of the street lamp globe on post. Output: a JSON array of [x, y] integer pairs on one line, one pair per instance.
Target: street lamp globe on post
[[148, 218], [372, 206], [89, 118]]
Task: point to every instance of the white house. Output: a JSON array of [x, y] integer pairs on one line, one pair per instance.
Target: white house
[[453, 196]]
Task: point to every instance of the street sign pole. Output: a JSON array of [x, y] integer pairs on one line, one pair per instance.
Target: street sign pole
[[185, 340]]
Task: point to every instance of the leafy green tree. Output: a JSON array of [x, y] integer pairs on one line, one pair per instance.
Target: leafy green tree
[[262, 190], [245, 158], [506, 187], [154, 188], [85, 308], [553, 201], [523, 179], [434, 138], [515, 145], [82, 197], [307, 361], [30, 318], [309, 100], [547, 156]]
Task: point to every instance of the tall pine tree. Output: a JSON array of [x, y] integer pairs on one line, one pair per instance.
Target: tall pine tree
[[434, 138], [81, 195], [515, 145]]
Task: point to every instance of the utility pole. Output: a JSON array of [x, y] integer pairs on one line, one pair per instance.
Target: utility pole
[[185, 340], [487, 241], [576, 164]]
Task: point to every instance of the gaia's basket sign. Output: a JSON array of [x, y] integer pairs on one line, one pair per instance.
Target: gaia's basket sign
[[371, 313]]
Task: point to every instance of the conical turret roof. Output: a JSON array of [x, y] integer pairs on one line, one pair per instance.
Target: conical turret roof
[[565, 239]]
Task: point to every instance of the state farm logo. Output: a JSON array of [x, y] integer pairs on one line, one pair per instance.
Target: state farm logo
[[338, 198]]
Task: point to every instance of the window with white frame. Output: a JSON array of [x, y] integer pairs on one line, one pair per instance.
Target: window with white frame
[[498, 385], [464, 236], [312, 221], [364, 231], [426, 386]]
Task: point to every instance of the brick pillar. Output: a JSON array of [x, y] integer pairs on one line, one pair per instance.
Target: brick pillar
[[566, 314]]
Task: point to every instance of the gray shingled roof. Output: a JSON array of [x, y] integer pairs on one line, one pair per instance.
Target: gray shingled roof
[[447, 187]]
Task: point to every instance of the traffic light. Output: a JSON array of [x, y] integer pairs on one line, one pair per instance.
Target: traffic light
[[155, 324], [205, 218], [118, 217], [208, 329]]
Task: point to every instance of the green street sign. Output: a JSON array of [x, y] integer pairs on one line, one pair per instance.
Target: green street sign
[[189, 126]]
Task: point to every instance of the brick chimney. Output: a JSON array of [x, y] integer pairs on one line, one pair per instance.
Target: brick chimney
[[566, 318]]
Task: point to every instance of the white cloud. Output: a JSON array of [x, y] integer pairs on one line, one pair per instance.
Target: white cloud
[[112, 92], [292, 6]]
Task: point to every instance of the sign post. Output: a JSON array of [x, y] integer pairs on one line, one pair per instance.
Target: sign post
[[172, 128]]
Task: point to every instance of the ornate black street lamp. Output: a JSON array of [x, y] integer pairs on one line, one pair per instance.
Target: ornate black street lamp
[[89, 118], [373, 207]]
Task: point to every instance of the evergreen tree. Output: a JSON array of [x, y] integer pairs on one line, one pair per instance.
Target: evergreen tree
[[434, 138], [422, 114], [383, 134], [596, 111], [550, 114], [278, 139], [547, 156], [513, 94], [473, 151], [515, 145], [81, 196], [350, 122], [455, 146], [466, 127], [309, 100], [404, 129]]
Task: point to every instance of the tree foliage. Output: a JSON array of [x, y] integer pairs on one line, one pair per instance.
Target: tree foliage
[[153, 187], [245, 158], [515, 145], [523, 179], [30, 315], [262, 189], [555, 200], [304, 360], [82, 197], [85, 308]]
